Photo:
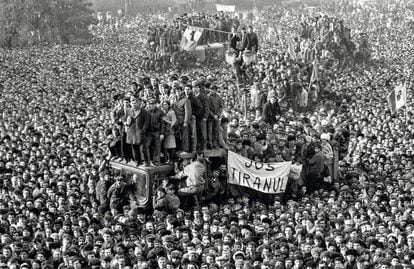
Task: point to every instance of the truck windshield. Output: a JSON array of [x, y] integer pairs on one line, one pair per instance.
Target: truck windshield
[[141, 189]]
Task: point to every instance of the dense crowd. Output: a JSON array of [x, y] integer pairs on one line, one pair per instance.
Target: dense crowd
[[64, 113]]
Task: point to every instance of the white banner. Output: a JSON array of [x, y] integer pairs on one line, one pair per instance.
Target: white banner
[[269, 178], [190, 38], [225, 8]]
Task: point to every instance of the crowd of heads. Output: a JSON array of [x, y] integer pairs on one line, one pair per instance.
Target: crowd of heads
[[56, 117]]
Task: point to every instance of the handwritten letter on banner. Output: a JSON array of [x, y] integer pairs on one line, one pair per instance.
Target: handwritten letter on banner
[[264, 177]]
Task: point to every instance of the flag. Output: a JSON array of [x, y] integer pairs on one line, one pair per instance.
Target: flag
[[190, 38], [397, 98]]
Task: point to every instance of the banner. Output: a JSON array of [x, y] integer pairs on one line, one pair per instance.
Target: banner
[[225, 8], [397, 98], [269, 178], [190, 38]]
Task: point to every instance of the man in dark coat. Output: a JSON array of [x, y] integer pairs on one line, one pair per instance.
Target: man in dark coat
[[244, 39], [316, 165], [271, 111], [102, 189], [252, 40], [184, 112], [202, 115], [119, 116], [234, 38], [117, 195], [196, 107], [216, 108], [137, 124], [155, 133]]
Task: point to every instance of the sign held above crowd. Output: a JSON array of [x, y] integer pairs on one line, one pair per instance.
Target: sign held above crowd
[[225, 8], [269, 178], [397, 98]]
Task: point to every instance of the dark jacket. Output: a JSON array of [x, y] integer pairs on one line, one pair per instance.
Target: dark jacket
[[137, 128], [252, 42], [101, 191], [117, 195], [196, 106], [317, 165], [155, 120], [233, 41], [215, 105], [270, 111], [205, 106], [244, 41]]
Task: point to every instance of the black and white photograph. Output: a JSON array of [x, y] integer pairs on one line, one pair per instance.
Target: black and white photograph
[[206, 134]]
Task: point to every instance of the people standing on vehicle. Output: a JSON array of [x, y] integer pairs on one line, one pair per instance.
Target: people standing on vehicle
[[137, 125]]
